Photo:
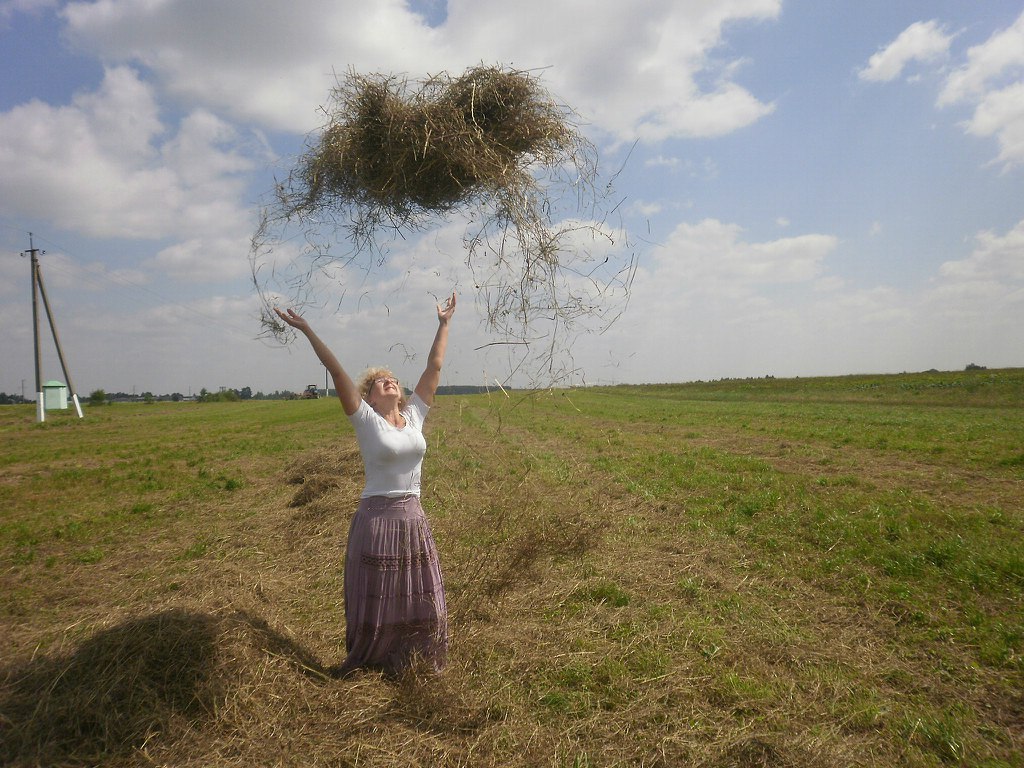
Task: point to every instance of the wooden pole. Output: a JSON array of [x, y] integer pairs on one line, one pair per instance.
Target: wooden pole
[[56, 340], [40, 405]]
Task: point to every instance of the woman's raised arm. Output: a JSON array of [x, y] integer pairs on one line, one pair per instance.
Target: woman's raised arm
[[431, 377], [346, 389]]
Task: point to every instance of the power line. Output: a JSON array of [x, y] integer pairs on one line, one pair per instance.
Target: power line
[[102, 282]]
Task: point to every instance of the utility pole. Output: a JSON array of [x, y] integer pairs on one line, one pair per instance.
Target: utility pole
[[40, 406], [39, 289]]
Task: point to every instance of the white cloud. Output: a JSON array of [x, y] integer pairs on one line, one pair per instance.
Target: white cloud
[[263, 60], [107, 166], [976, 305], [1001, 54], [188, 337], [1001, 114], [829, 284], [991, 80], [712, 304], [709, 302], [211, 259], [996, 258], [645, 208], [712, 255], [631, 70], [697, 115], [662, 161], [97, 149], [921, 41]]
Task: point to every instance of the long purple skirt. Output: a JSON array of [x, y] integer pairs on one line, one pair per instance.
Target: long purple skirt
[[394, 597]]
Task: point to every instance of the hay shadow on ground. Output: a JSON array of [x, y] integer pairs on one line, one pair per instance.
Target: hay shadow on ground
[[161, 675], [111, 693], [270, 641]]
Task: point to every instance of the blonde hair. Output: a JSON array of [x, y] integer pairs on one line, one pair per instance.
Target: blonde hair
[[372, 374]]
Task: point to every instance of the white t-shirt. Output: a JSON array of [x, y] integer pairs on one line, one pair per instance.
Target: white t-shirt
[[392, 457]]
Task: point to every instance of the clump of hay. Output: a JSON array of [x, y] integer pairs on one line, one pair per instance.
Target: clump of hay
[[333, 462], [396, 156], [395, 152], [322, 476]]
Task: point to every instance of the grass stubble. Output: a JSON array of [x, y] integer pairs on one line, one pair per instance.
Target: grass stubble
[[631, 581]]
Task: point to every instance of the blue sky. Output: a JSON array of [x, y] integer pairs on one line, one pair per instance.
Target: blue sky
[[807, 188]]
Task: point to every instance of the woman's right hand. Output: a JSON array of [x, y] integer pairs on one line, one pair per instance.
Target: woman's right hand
[[293, 319]]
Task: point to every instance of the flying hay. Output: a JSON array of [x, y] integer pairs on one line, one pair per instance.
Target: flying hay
[[396, 156], [395, 153]]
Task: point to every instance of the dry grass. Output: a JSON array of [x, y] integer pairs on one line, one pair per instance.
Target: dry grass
[[222, 659], [592, 624]]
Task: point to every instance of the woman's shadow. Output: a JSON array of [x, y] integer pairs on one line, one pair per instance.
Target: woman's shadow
[[122, 685]]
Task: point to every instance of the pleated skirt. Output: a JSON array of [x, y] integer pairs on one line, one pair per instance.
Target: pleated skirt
[[394, 596]]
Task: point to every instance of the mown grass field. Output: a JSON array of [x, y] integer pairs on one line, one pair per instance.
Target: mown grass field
[[806, 572]]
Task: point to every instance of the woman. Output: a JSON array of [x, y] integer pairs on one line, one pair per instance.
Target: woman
[[394, 596]]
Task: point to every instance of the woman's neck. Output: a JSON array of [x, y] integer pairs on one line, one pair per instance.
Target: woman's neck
[[392, 415]]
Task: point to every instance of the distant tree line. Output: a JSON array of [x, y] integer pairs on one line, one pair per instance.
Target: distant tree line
[[102, 397], [224, 394]]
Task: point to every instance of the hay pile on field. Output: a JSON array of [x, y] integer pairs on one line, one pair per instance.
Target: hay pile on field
[[326, 482]]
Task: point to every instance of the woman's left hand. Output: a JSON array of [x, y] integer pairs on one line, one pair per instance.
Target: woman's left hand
[[444, 314], [293, 319]]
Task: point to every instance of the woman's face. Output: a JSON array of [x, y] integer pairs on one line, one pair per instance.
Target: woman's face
[[384, 388]]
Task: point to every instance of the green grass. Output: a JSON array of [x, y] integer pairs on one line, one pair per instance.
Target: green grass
[[768, 572], [128, 469], [900, 522]]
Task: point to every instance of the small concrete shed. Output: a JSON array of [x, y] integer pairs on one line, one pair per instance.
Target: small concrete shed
[[55, 395]]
